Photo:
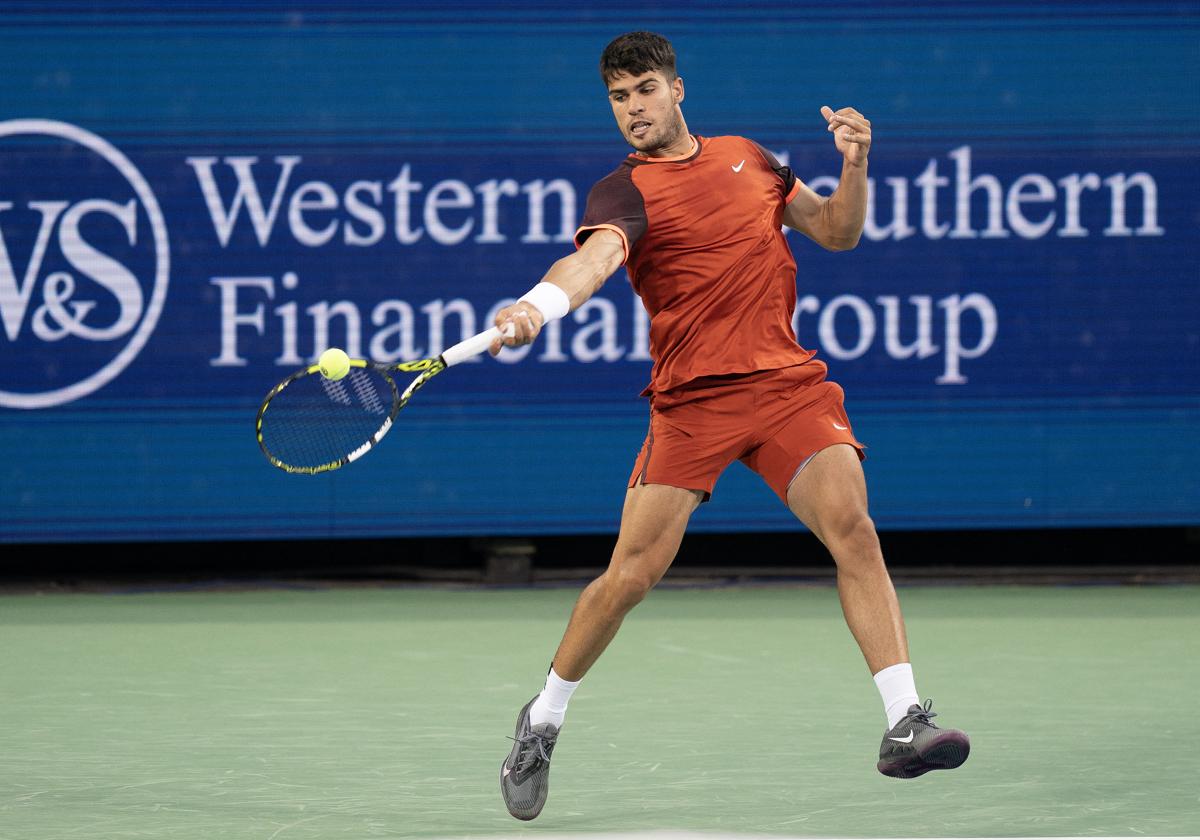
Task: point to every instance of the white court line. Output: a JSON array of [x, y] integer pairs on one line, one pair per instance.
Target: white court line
[[691, 835]]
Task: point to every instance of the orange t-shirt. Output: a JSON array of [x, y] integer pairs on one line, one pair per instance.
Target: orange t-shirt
[[704, 251]]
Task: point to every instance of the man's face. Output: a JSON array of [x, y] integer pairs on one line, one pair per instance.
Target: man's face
[[646, 108]]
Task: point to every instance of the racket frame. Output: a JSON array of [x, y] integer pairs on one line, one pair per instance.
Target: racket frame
[[425, 369]]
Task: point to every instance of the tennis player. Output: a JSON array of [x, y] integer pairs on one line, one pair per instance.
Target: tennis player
[[696, 223]]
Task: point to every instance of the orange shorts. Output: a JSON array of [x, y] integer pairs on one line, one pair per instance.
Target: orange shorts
[[772, 421]]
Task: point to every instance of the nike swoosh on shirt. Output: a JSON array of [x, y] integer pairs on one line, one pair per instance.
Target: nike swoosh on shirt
[[738, 168], [844, 429], [907, 740]]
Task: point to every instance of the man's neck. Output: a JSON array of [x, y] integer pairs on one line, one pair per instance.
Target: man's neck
[[683, 147]]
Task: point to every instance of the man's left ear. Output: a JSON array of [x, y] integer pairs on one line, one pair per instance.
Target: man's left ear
[[678, 89]]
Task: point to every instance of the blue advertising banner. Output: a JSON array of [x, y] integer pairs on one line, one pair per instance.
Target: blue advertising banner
[[198, 199]]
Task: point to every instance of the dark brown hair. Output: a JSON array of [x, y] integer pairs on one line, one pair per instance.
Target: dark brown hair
[[636, 53]]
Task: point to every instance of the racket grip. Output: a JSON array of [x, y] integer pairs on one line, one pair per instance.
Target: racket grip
[[473, 346]]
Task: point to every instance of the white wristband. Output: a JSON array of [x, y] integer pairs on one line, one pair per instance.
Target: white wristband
[[550, 300]]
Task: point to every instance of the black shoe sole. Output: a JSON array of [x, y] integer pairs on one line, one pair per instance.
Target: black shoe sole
[[945, 753]]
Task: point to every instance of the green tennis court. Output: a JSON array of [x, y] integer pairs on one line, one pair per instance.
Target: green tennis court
[[292, 713]]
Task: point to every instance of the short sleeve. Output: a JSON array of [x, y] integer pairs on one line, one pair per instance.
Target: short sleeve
[[614, 204], [791, 184]]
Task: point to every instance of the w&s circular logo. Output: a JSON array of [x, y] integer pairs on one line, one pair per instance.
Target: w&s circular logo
[[84, 263]]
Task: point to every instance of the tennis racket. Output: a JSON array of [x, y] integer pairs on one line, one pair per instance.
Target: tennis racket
[[309, 424]]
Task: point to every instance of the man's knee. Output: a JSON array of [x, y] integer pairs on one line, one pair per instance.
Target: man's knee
[[851, 538], [628, 585]]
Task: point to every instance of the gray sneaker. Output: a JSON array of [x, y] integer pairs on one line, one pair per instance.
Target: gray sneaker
[[525, 774], [914, 746]]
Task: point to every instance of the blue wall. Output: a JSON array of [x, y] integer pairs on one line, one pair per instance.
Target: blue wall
[[197, 199]]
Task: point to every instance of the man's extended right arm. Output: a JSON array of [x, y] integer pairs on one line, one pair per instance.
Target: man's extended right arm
[[579, 276]]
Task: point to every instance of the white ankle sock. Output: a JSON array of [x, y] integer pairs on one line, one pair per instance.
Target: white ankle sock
[[551, 704], [898, 690]]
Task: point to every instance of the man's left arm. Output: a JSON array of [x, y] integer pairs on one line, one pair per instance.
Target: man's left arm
[[836, 222]]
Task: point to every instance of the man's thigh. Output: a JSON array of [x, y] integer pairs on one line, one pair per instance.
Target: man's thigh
[[653, 522], [830, 492]]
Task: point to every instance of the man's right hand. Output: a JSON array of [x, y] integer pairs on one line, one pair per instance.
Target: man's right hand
[[523, 319], [578, 275]]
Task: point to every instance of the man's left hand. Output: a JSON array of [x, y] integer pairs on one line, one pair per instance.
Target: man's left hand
[[851, 133]]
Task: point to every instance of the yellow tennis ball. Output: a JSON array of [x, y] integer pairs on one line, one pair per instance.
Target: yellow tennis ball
[[334, 363]]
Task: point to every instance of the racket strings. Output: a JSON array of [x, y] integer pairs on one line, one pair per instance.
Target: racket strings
[[316, 421], [336, 391], [368, 395]]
